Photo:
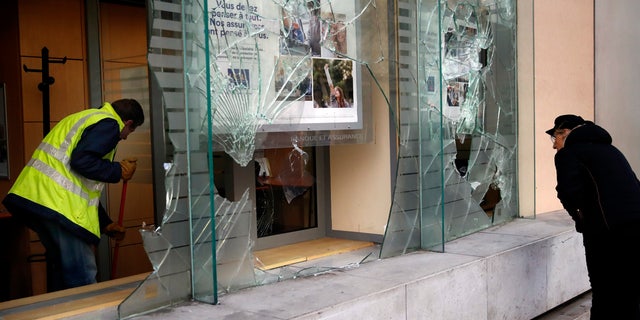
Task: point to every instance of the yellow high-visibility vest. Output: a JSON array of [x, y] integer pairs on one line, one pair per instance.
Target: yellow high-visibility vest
[[48, 180]]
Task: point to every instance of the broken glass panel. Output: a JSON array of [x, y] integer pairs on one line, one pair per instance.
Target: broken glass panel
[[241, 76], [457, 160]]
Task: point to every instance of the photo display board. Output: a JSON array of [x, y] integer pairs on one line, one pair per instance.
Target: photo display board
[[291, 61]]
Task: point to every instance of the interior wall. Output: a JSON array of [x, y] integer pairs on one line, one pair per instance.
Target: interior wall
[[361, 174], [124, 75], [41, 25], [360, 178], [14, 273], [28, 27], [617, 76], [10, 70], [563, 81]]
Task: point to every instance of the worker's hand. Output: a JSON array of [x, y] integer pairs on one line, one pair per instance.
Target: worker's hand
[[115, 231], [128, 167]]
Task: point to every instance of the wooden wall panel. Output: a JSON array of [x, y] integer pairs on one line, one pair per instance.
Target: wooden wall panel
[[57, 25], [118, 20], [136, 209], [132, 260]]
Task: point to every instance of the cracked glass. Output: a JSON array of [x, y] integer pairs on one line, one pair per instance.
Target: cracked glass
[[241, 80]]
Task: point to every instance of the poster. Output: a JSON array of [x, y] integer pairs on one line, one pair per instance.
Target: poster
[[290, 62]]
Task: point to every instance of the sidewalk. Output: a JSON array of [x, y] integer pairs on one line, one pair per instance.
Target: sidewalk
[[518, 270], [575, 309]]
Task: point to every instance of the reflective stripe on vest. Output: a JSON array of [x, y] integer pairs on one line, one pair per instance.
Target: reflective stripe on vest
[[61, 155]]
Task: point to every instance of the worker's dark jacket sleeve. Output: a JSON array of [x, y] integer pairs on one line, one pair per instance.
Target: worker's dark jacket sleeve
[[97, 141], [87, 158]]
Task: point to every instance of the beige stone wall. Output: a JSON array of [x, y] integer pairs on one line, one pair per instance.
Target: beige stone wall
[[563, 82]]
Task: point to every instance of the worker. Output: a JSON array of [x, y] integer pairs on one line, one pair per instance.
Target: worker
[[57, 194]]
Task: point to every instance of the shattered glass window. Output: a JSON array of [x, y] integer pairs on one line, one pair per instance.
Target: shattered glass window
[[240, 78], [457, 137]]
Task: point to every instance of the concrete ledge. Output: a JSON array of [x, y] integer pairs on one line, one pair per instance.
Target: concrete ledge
[[518, 270]]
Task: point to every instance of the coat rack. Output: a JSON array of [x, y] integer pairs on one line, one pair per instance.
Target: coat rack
[[44, 86]]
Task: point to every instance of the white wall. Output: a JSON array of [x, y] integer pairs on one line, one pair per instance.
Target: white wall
[[617, 74]]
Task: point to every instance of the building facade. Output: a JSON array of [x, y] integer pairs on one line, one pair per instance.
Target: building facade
[[254, 120], [443, 136]]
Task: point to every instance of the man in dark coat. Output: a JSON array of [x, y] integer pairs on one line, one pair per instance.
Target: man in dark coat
[[601, 192]]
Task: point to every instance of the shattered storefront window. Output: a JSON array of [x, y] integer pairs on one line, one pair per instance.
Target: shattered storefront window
[[254, 87], [457, 137]]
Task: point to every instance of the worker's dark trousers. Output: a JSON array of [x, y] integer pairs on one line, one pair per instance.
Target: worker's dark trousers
[[71, 262]]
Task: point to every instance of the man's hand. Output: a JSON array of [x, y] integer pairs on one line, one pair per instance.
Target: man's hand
[[115, 231], [128, 167]]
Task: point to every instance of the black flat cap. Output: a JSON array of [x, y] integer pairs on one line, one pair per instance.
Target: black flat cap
[[565, 121]]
